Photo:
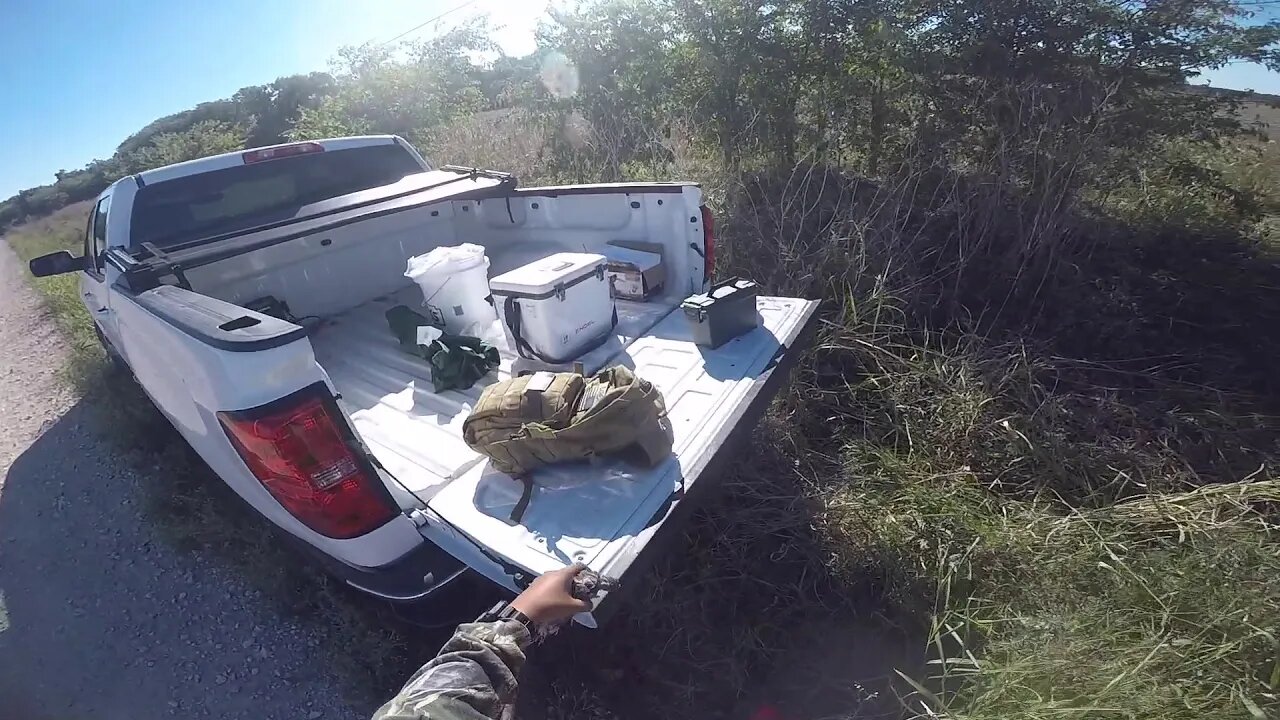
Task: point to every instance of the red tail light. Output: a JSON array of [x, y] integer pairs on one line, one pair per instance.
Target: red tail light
[[708, 244], [301, 449], [274, 153]]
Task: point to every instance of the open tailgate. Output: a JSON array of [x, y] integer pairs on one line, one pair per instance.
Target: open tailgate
[[612, 516]]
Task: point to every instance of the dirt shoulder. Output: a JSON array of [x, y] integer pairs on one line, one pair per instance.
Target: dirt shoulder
[[98, 616], [32, 391]]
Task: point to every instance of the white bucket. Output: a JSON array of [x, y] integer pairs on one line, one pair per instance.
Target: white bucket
[[455, 286]]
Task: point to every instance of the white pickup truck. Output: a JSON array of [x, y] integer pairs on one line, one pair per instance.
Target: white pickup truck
[[325, 427]]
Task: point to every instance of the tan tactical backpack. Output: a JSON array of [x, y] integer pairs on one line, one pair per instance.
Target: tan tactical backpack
[[534, 420]]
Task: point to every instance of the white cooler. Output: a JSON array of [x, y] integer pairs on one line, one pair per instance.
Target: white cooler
[[557, 308]]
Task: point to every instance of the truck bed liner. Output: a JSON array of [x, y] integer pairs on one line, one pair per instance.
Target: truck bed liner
[[584, 512], [415, 432]]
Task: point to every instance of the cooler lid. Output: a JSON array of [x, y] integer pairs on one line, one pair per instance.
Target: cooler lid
[[542, 276]]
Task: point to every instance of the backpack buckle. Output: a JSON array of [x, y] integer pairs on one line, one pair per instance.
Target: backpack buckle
[[538, 431]]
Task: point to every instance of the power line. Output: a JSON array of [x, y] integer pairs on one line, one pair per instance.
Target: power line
[[424, 23]]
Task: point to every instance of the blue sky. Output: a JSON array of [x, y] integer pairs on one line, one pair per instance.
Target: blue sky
[[1242, 76], [79, 76], [82, 75]]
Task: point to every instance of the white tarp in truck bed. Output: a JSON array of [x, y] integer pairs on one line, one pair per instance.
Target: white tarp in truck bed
[[601, 513]]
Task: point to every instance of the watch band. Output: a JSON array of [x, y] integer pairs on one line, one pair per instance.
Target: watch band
[[492, 614], [504, 611], [510, 613]]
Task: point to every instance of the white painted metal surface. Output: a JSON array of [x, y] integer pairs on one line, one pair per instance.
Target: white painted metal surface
[[415, 432], [236, 158], [589, 512], [579, 512], [190, 382]]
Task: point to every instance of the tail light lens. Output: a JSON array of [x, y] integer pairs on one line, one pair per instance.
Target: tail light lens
[[302, 450], [708, 244], [282, 151]]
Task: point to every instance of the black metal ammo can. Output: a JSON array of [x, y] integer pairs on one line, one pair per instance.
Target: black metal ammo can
[[723, 313]]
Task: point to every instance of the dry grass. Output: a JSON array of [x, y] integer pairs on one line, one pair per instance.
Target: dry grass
[[1157, 607], [1031, 469], [503, 139], [63, 230]]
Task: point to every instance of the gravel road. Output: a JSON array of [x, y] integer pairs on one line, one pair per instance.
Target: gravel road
[[98, 617]]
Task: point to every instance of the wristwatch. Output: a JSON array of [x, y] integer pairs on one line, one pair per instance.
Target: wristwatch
[[503, 611]]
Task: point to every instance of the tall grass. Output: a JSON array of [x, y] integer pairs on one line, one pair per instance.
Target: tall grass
[[1156, 607], [63, 230], [1077, 515]]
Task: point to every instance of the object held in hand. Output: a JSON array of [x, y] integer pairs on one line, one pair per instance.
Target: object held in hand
[[589, 583]]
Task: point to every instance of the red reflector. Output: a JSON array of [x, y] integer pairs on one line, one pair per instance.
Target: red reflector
[[303, 454], [708, 244], [281, 151]]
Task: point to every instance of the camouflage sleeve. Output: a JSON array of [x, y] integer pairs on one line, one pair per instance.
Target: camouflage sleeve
[[473, 676]]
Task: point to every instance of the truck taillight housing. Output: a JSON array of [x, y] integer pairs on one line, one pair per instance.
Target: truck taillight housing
[[281, 151], [302, 450], [708, 244]]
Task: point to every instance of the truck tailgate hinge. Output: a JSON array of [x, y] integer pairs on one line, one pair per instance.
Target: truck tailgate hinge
[[418, 517]]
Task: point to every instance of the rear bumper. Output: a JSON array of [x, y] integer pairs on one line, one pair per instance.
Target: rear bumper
[[417, 575]]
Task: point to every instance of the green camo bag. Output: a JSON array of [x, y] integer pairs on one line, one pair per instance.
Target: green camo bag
[[534, 420]]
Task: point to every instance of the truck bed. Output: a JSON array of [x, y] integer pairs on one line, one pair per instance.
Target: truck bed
[[415, 432], [600, 513]]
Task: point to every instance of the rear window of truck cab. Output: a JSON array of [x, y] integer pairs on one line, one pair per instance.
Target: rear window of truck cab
[[239, 198]]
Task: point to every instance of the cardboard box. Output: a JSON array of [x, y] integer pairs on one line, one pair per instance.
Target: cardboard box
[[634, 274]]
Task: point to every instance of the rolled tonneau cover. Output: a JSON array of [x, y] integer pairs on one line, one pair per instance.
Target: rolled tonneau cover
[[144, 266]]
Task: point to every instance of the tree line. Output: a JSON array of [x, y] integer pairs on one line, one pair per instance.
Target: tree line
[[1032, 86]]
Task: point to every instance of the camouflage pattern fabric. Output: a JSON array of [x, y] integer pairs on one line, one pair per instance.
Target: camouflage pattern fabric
[[526, 422], [457, 361], [473, 676]]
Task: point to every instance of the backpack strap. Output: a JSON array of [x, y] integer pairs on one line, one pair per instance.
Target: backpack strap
[[527, 458], [526, 494], [511, 312]]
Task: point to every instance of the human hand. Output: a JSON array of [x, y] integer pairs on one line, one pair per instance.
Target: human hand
[[548, 598]]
